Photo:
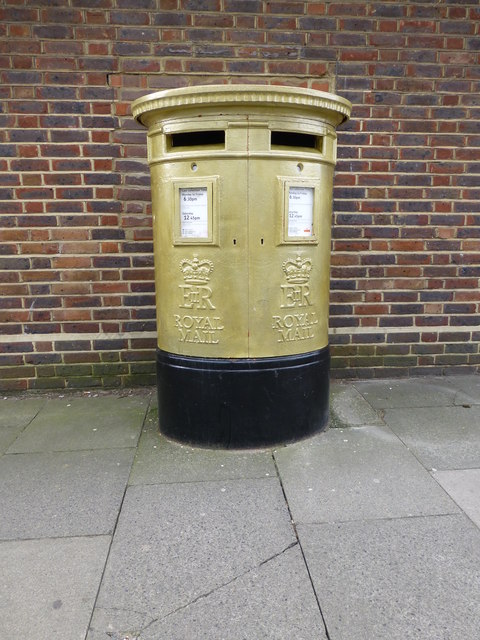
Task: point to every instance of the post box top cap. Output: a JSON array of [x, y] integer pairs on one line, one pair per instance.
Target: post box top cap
[[243, 95]]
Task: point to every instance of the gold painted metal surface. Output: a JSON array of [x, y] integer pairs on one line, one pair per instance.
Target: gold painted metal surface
[[242, 183]]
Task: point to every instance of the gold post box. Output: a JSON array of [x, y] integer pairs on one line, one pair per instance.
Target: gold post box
[[242, 181]]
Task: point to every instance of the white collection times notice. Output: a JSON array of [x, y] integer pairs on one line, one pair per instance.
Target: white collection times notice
[[194, 212], [300, 212]]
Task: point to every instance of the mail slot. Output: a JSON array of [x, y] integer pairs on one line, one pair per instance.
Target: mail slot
[[242, 181]]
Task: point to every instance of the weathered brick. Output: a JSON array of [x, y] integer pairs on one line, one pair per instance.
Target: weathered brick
[[244, 6], [50, 32]]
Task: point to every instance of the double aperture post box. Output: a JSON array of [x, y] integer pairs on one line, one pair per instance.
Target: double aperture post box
[[242, 181]]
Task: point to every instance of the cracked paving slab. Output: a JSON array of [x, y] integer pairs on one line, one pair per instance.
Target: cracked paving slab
[[273, 601], [117, 624], [177, 542], [15, 415], [276, 607], [8, 436], [18, 412]]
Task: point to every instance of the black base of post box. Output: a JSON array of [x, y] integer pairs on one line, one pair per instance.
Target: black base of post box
[[242, 403]]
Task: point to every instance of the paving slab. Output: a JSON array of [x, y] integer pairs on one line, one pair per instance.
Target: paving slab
[[412, 392], [348, 408], [70, 423], [403, 579], [177, 543], [357, 473], [7, 436], [464, 487], [117, 624], [18, 412], [49, 586], [440, 437], [468, 388], [159, 460], [62, 494], [272, 601]]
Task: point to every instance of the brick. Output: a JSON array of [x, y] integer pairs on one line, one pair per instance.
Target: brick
[[244, 6], [129, 17], [214, 21], [383, 40], [139, 34], [201, 5], [55, 32], [140, 380], [21, 77], [19, 14], [205, 35], [205, 66], [110, 369], [356, 24], [171, 19]]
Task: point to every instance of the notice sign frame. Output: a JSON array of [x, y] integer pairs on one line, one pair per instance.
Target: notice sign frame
[[301, 204], [194, 211]]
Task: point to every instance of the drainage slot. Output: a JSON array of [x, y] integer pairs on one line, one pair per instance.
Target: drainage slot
[[196, 139], [297, 140]]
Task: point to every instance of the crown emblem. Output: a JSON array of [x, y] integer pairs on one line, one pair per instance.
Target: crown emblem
[[196, 271], [297, 271]]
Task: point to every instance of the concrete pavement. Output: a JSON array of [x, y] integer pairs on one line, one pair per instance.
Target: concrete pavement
[[369, 531]]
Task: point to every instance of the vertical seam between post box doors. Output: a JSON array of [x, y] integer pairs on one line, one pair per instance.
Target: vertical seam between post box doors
[[247, 248]]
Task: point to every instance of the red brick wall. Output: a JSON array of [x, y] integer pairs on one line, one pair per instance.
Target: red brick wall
[[77, 302]]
